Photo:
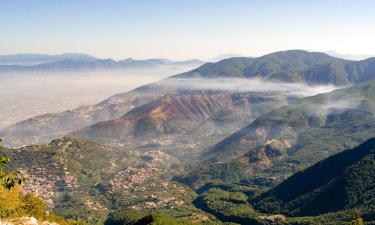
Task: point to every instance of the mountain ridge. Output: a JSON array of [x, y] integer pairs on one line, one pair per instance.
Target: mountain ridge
[[290, 66], [92, 64]]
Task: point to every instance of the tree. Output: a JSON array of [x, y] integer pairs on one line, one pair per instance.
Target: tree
[[4, 161], [358, 221], [357, 218], [9, 180]]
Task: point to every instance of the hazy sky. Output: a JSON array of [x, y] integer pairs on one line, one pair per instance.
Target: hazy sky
[[182, 29]]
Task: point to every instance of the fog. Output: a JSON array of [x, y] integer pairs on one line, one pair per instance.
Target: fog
[[249, 85], [27, 95], [336, 106]]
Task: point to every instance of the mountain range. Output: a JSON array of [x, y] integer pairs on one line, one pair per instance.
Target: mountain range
[[289, 66], [83, 63], [33, 59]]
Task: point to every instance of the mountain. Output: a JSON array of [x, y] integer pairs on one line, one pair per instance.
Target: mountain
[[182, 121], [341, 182], [32, 59], [287, 66], [290, 66], [306, 130], [74, 64]]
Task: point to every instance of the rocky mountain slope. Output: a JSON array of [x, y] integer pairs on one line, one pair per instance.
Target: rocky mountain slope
[[180, 122]]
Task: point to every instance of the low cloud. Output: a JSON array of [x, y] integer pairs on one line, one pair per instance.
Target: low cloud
[[335, 106], [248, 85]]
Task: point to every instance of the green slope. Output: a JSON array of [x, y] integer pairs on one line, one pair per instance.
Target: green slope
[[341, 182]]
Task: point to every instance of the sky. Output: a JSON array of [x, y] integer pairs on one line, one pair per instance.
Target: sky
[[185, 29]]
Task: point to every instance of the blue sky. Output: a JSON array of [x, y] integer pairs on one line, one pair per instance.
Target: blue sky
[[182, 29]]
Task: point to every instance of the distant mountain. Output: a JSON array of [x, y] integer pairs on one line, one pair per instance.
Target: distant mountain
[[82, 64], [341, 182], [290, 66], [306, 130], [32, 59]]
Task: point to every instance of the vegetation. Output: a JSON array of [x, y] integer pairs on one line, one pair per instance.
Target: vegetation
[[230, 205], [124, 217], [135, 217], [340, 182], [14, 204], [232, 171], [9, 180]]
